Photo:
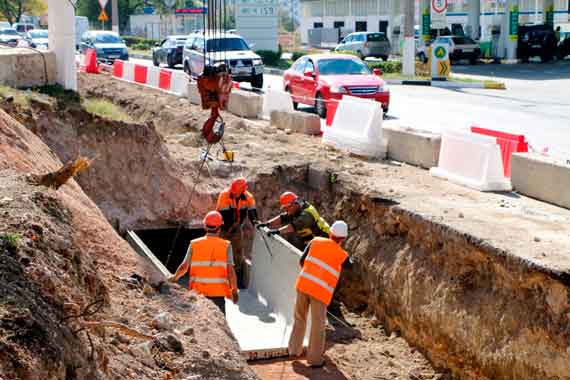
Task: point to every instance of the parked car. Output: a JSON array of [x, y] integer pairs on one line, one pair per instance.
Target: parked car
[[536, 40], [461, 47], [22, 27], [37, 38], [108, 45], [244, 64], [319, 78], [169, 51], [9, 37], [422, 50], [366, 44], [5, 24]]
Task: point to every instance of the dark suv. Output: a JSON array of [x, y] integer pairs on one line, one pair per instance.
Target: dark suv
[[536, 40]]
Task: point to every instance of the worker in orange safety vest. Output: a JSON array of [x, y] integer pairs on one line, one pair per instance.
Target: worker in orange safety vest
[[209, 262], [322, 263], [236, 205]]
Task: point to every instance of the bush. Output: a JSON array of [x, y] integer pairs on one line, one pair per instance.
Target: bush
[[269, 57], [139, 43], [387, 66], [348, 52]]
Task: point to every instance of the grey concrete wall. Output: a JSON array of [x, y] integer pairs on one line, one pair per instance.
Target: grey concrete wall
[[193, 93], [541, 177], [25, 68], [414, 147], [296, 121], [245, 104]]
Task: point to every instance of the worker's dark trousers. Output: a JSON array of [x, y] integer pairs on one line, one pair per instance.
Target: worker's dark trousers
[[220, 302], [236, 238]]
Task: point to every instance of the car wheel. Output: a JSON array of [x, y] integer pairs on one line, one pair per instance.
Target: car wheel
[[154, 61], [384, 58], [257, 81], [545, 57], [360, 55], [295, 104], [385, 110], [169, 62], [473, 60], [320, 106], [187, 69]]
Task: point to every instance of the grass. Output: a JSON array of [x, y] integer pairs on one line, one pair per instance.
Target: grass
[[146, 53], [20, 97], [11, 241], [105, 109]]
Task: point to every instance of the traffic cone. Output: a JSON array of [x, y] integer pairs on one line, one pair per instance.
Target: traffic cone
[[90, 63], [235, 85]]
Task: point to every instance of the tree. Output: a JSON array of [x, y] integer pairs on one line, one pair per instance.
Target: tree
[[91, 9], [12, 10]]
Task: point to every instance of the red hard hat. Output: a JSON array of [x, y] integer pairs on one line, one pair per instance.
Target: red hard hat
[[213, 219], [287, 198], [238, 186]]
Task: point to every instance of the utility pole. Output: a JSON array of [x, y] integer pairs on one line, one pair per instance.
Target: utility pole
[[409, 53], [115, 15]]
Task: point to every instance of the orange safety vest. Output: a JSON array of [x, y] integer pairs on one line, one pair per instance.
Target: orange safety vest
[[209, 266], [234, 210], [321, 269]]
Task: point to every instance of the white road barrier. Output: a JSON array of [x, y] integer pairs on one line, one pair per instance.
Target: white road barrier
[[471, 160], [276, 100], [357, 127], [179, 84]]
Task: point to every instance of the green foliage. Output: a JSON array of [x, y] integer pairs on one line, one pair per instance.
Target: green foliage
[[57, 91], [347, 52], [12, 10], [10, 241], [269, 57], [91, 9], [387, 66]]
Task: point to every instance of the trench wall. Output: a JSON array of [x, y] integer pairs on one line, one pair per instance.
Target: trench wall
[[480, 312]]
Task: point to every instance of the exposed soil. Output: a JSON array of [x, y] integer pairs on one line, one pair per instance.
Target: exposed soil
[[449, 269]]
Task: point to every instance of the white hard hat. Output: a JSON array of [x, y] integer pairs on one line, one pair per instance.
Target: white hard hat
[[339, 229]]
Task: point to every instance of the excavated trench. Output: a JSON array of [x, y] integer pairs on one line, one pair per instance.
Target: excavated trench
[[449, 294]]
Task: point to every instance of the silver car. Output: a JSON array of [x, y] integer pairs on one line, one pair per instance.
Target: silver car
[[244, 64], [366, 44]]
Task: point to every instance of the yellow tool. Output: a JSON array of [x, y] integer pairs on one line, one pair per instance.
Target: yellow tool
[[229, 155]]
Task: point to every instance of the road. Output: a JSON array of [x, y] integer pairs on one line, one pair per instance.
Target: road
[[536, 103]]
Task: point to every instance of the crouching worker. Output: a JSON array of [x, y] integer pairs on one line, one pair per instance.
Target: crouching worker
[[210, 263], [322, 264]]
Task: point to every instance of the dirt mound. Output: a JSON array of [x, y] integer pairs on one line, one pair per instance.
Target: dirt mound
[[65, 273]]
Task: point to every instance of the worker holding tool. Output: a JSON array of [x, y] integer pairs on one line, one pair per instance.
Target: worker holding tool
[[210, 263], [236, 204], [300, 221], [321, 266]]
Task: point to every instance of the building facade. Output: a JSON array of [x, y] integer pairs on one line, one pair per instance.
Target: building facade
[[484, 20], [292, 7]]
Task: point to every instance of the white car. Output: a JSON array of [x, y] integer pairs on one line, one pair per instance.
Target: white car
[[244, 64], [9, 37], [37, 38]]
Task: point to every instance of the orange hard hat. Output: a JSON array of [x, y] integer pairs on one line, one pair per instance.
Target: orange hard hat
[[238, 186], [287, 198], [213, 219]]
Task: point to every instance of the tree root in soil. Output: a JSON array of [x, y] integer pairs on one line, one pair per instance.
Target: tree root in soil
[[56, 179]]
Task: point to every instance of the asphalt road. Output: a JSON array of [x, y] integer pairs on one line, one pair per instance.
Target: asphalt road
[[536, 103]]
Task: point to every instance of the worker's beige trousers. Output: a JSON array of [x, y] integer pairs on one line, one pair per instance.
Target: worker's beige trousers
[[317, 338]]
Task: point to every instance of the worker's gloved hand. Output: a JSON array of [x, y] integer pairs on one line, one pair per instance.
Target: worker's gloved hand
[[172, 278], [273, 232], [235, 296], [261, 225]]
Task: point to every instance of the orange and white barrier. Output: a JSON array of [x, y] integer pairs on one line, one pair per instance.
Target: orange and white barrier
[[162, 79], [471, 160]]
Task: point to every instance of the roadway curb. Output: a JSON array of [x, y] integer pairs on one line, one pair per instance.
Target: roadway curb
[[273, 71], [141, 56], [445, 84]]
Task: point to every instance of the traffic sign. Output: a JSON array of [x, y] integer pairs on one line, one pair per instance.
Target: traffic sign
[[438, 13], [103, 16], [440, 52], [440, 64], [439, 6], [103, 4], [443, 68]]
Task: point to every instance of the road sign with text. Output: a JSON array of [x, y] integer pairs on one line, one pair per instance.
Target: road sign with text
[[438, 14]]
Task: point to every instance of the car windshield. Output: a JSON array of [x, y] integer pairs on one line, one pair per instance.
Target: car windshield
[[463, 41], [342, 67], [39, 34], [108, 38], [9, 32], [226, 44], [376, 37]]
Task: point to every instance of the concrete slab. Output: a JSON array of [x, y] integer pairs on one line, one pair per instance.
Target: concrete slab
[[26, 68], [245, 104], [269, 302], [541, 177], [419, 148], [296, 121], [193, 94]]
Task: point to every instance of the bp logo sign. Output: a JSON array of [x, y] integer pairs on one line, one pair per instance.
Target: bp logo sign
[[440, 52]]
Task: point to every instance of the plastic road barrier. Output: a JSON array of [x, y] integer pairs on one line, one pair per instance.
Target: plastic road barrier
[[276, 100], [357, 127], [471, 160], [332, 106], [160, 79], [509, 144]]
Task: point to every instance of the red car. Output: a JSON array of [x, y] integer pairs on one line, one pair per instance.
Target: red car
[[315, 79]]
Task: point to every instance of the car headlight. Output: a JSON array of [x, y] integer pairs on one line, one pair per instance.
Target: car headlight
[[257, 61], [383, 88], [338, 90]]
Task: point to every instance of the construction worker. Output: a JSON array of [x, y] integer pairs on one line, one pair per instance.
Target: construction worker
[[300, 221], [236, 204], [322, 264], [210, 264]]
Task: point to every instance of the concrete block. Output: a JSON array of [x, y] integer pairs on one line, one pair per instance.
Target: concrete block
[[194, 94], [541, 177], [300, 122], [245, 104], [412, 146], [26, 68]]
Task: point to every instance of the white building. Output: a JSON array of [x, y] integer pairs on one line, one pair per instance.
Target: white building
[[482, 19], [291, 6]]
